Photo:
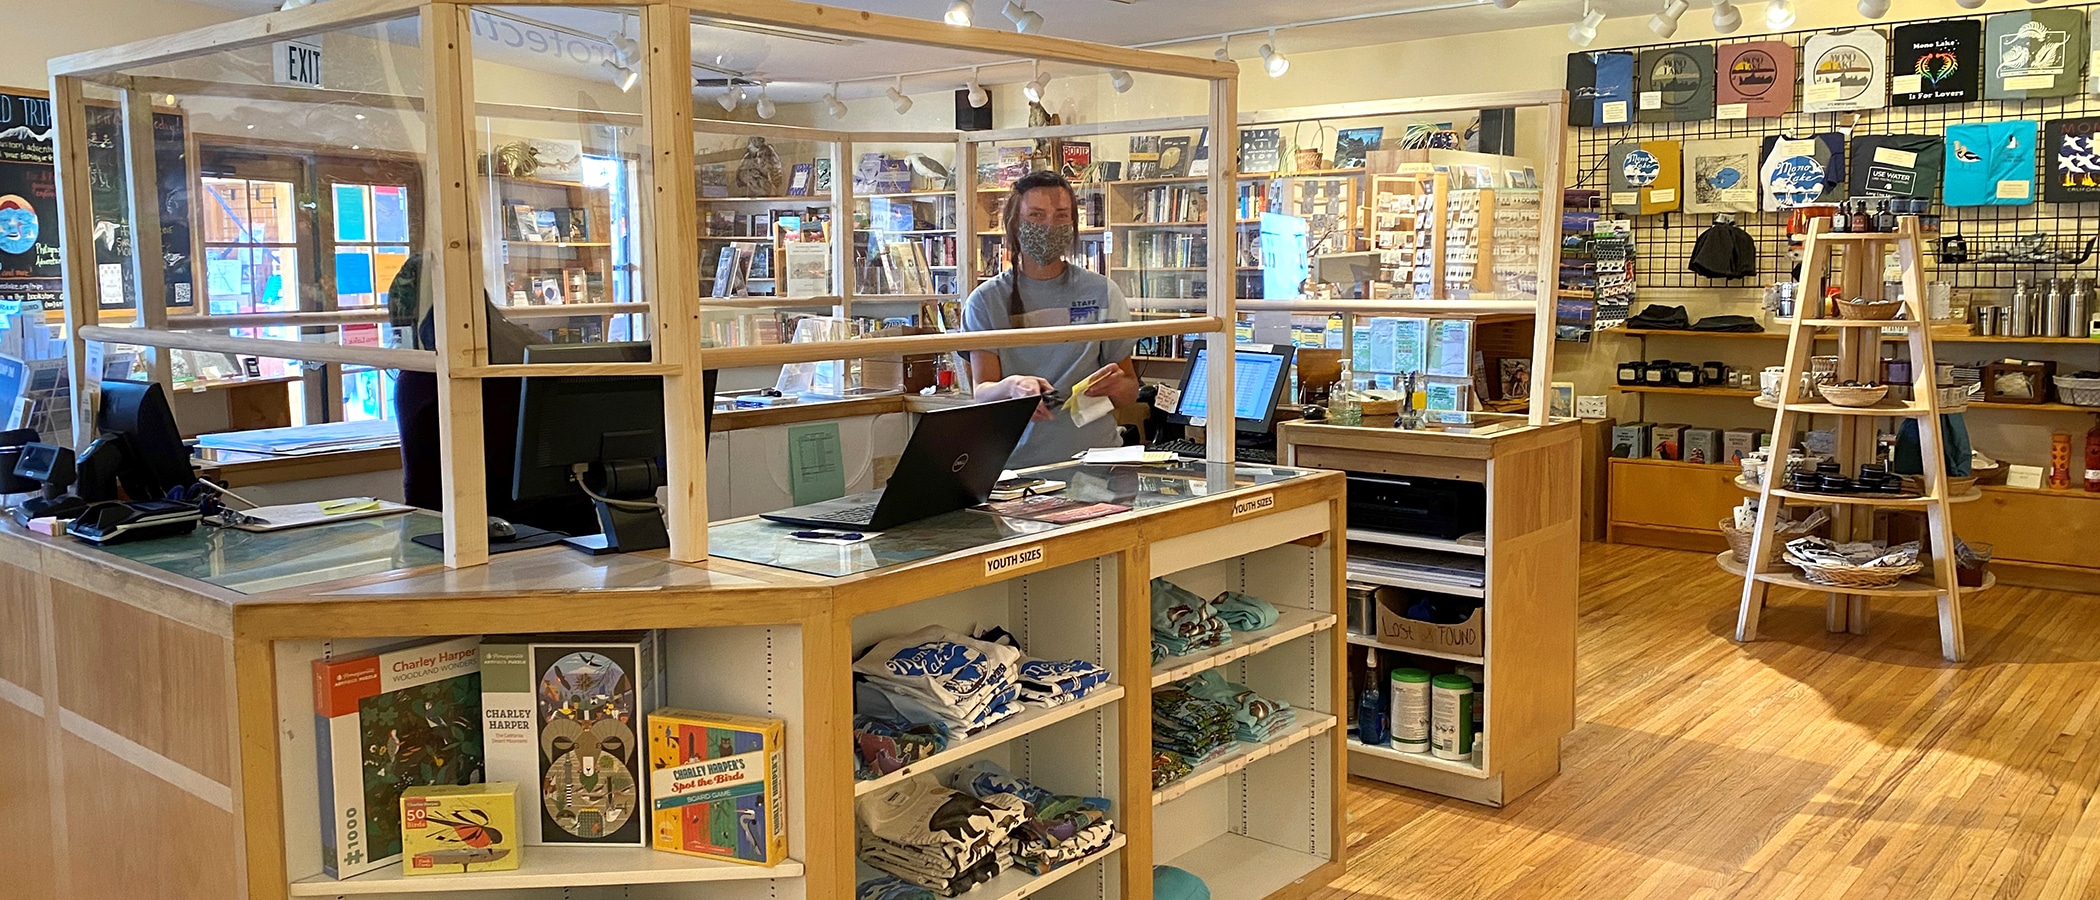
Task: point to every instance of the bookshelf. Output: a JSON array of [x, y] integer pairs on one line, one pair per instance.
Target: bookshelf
[[559, 249]]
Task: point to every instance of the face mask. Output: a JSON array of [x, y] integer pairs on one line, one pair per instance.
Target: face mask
[[1046, 244]]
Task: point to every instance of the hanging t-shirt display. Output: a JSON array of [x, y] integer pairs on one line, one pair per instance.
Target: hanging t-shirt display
[[2033, 54], [1755, 81], [1582, 90], [1641, 177], [1614, 87], [1937, 62], [1990, 164], [1677, 84], [1803, 171], [1896, 165], [1720, 176], [1844, 70], [2074, 164]]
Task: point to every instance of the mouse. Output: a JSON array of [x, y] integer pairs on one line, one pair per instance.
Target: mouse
[[500, 531]]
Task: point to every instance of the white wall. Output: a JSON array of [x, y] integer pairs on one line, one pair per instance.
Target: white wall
[[46, 28]]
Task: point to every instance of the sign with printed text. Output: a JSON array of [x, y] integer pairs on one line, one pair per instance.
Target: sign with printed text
[[1013, 561], [1247, 506], [296, 63]]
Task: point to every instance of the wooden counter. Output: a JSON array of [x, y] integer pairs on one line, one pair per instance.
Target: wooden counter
[[161, 738]]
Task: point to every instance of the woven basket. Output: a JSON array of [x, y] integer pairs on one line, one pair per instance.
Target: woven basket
[[1739, 541], [1853, 396], [2078, 391], [1870, 310], [1854, 576]]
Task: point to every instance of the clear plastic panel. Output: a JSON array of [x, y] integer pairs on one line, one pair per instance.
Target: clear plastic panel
[[560, 151], [766, 230]]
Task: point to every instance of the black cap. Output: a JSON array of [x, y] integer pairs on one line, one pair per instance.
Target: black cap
[[1724, 251]]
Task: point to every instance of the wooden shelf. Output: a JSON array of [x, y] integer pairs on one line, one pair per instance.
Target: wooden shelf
[[2002, 339], [1919, 585], [1237, 867], [1016, 883], [1905, 324], [1808, 498], [1414, 585], [555, 245], [1689, 392], [1416, 541], [1034, 719], [1884, 409], [778, 198], [1291, 624], [1158, 359], [199, 386], [1243, 754], [1365, 640], [2036, 407], [1858, 237], [553, 867], [1464, 767], [2075, 492], [907, 195], [1736, 335]]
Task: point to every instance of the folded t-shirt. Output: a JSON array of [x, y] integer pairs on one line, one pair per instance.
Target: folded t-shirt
[[1990, 163], [1896, 165]]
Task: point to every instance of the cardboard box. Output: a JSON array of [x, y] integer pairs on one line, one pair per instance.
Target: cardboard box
[[1630, 441], [1737, 443], [1702, 445], [1666, 441], [548, 702], [472, 826], [716, 786], [1397, 630]]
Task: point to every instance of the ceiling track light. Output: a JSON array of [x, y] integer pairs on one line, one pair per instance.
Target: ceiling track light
[[623, 77], [1726, 17], [978, 95], [897, 97], [1272, 60], [1779, 14], [1024, 20], [1036, 86], [624, 65], [1505, 4], [732, 95], [1224, 51], [832, 104], [1873, 9], [1664, 23], [1584, 32], [1120, 80], [961, 13], [766, 109]]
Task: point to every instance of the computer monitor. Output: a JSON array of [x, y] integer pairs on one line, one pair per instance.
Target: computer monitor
[[613, 427], [140, 446], [1261, 373]]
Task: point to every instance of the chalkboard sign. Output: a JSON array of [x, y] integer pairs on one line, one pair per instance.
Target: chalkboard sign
[[29, 256]]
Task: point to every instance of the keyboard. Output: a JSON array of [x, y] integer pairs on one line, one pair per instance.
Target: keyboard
[[853, 515], [1195, 449]]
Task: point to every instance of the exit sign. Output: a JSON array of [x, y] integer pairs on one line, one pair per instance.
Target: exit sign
[[296, 63]]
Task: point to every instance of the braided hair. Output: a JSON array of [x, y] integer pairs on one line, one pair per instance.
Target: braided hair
[[1010, 222]]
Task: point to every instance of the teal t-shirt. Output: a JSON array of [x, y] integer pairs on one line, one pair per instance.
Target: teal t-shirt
[[1076, 297]]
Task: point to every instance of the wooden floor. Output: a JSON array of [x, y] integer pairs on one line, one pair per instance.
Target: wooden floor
[[1804, 765]]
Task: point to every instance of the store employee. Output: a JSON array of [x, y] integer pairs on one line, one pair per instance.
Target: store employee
[[1041, 289]]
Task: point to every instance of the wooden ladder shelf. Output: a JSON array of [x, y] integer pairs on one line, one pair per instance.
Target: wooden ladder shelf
[[1859, 259]]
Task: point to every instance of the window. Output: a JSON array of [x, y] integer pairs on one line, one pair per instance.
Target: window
[[251, 249], [371, 242]]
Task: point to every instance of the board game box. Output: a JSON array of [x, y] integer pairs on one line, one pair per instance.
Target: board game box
[[473, 827], [715, 786], [562, 714], [398, 718]]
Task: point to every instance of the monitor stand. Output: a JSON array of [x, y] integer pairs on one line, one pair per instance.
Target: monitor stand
[[623, 531]]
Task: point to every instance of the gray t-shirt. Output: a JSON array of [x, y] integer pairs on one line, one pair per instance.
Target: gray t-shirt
[[1077, 297]]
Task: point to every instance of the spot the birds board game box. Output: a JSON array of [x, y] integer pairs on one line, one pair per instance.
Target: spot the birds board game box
[[403, 717], [459, 828], [563, 719], [715, 786]]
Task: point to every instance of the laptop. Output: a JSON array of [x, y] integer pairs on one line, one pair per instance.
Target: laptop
[[953, 459]]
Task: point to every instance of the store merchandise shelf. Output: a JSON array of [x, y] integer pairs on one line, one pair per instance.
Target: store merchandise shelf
[[1016, 883], [1454, 590], [1365, 640], [1807, 498], [1244, 754], [1905, 324], [1237, 867], [1919, 585], [1687, 391], [1291, 623], [1034, 719], [2036, 407], [1671, 332], [1416, 541], [1884, 409], [1862, 237], [553, 867], [1465, 767]]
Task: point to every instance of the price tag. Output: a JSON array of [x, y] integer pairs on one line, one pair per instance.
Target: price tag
[[1663, 195], [1907, 84], [1625, 198], [1651, 99], [1823, 92], [2030, 82], [2015, 190], [1613, 112], [1731, 111], [1891, 156]]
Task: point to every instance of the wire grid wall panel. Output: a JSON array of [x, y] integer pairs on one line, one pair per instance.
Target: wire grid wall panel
[[1666, 240]]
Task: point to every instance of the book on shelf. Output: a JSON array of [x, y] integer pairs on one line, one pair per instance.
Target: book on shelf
[[808, 270], [1143, 161], [820, 176], [387, 721], [1074, 158], [574, 286], [714, 180], [1172, 204], [762, 261], [725, 271], [1174, 155], [798, 180], [1199, 159], [1261, 150]]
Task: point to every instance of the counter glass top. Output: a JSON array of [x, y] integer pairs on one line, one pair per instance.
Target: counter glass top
[[253, 563], [1138, 487]]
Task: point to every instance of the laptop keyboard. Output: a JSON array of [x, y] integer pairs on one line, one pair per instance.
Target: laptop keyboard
[[858, 515]]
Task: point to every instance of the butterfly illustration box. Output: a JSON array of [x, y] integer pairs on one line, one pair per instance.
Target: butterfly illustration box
[[562, 717], [715, 786], [455, 829]]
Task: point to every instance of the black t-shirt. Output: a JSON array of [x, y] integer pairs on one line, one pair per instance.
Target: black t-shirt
[[1582, 90], [1897, 165], [1943, 61], [1676, 84], [2073, 158]]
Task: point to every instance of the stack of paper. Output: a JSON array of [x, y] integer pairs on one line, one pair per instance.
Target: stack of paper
[[306, 440]]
